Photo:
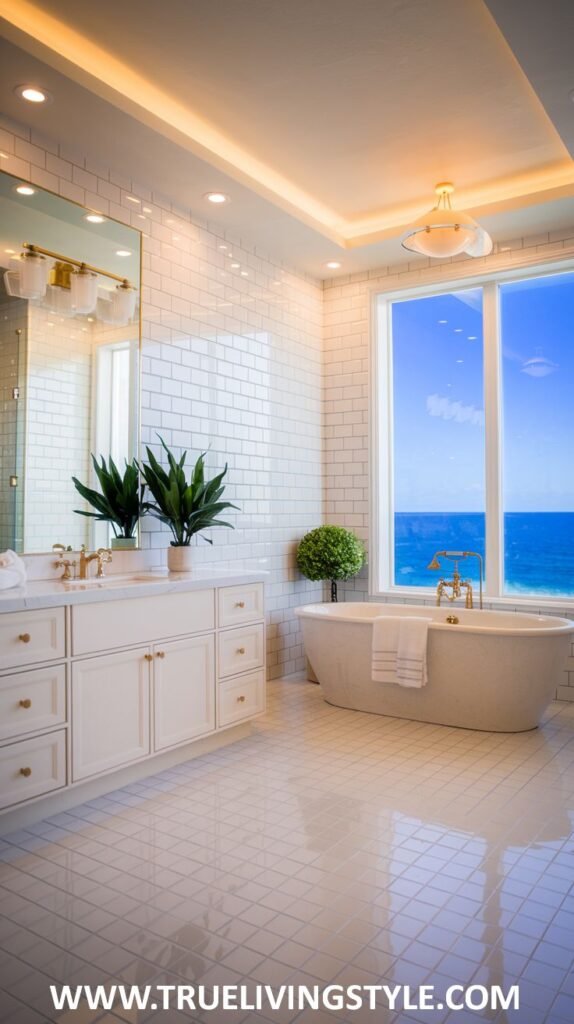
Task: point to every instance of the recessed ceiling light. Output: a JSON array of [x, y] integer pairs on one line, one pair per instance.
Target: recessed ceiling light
[[95, 218], [216, 197], [25, 190], [333, 265], [32, 94], [123, 252]]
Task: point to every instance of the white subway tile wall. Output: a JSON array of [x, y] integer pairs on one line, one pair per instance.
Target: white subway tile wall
[[346, 309], [231, 364]]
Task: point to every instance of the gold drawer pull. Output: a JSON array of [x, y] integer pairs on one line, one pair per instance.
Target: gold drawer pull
[[241, 650], [160, 654], [25, 638], [27, 703], [148, 657], [240, 699], [26, 772], [240, 604]]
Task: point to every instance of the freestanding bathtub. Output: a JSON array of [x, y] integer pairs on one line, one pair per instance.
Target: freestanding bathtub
[[491, 670]]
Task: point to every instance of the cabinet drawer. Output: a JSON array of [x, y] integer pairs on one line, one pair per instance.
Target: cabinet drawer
[[240, 698], [240, 650], [32, 767], [29, 637], [100, 627], [237, 605], [34, 700]]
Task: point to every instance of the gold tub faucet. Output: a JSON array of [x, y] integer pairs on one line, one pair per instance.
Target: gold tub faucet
[[456, 585]]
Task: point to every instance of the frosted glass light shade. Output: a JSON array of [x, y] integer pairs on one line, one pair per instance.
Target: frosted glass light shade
[[33, 276], [59, 300], [443, 232], [123, 303], [83, 291], [12, 283]]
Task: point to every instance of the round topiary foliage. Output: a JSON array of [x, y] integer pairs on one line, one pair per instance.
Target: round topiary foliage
[[330, 553]]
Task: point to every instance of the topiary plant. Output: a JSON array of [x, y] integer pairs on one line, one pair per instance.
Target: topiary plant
[[330, 553]]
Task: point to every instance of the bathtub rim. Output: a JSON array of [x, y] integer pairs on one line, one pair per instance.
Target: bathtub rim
[[550, 625]]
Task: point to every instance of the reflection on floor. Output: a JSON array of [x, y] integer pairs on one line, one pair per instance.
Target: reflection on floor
[[330, 845]]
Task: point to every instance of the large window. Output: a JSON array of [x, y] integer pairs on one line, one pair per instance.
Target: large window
[[475, 434]]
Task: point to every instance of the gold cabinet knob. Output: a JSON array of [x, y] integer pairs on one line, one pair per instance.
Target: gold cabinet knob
[[25, 638], [27, 703], [241, 650], [148, 657], [240, 699], [160, 654], [240, 604], [26, 772]]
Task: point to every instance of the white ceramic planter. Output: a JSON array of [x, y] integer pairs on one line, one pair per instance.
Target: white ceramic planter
[[180, 559]]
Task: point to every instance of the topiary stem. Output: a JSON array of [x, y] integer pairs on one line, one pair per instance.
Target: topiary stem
[[334, 590]]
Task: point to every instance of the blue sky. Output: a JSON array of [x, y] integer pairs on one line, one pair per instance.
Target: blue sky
[[439, 401]]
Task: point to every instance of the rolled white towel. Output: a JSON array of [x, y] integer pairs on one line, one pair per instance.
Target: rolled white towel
[[12, 570]]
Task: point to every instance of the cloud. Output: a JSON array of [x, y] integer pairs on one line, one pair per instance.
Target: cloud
[[446, 409]]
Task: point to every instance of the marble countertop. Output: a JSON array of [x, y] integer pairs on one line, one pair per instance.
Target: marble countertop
[[145, 583]]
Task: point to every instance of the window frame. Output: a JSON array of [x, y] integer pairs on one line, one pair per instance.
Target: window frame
[[448, 278]]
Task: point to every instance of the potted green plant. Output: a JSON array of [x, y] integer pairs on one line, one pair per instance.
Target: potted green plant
[[330, 553], [120, 501], [187, 506]]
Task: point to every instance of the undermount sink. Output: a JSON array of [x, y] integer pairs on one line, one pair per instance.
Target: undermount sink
[[116, 581]]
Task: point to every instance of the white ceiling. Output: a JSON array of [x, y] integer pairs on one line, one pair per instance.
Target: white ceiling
[[327, 122]]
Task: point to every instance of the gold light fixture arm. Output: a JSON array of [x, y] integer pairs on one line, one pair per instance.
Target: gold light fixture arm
[[76, 263]]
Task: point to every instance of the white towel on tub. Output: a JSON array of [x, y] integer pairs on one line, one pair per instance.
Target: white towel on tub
[[399, 650]]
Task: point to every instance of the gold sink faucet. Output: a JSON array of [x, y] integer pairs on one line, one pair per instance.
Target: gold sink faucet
[[102, 555], [456, 585]]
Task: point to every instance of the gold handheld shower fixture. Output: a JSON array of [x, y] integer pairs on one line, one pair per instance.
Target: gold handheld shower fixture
[[456, 556]]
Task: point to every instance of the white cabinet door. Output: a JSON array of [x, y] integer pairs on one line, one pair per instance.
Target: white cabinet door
[[184, 684], [110, 711]]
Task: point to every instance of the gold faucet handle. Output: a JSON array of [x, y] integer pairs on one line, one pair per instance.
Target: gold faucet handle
[[104, 555]]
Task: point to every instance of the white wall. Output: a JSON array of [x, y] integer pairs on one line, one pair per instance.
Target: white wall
[[346, 375], [230, 362]]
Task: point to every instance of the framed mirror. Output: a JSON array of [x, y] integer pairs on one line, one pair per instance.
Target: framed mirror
[[70, 337]]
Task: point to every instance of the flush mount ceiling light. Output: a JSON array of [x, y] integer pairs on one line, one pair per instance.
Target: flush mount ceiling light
[[33, 94], [444, 232], [216, 197]]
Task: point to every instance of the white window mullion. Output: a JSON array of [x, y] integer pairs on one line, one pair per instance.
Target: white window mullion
[[494, 544]]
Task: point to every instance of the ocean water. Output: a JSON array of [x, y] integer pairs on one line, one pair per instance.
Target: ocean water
[[539, 549]]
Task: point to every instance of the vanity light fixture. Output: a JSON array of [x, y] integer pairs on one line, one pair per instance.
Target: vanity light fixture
[[95, 218], [216, 197], [33, 94], [69, 286], [444, 232], [25, 190]]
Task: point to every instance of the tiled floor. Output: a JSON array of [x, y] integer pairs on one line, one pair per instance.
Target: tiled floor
[[330, 845]]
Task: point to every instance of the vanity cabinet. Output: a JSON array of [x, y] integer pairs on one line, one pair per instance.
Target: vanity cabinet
[[108, 683], [184, 690], [110, 712]]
